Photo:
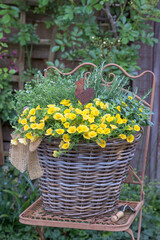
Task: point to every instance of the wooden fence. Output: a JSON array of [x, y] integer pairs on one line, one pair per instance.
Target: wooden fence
[[149, 59]]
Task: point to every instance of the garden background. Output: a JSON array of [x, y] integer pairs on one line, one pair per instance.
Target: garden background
[[36, 34]]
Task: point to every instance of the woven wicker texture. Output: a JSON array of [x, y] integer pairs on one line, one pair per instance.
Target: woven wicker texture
[[84, 182]]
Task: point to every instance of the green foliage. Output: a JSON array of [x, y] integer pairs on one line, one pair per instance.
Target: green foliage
[[6, 105], [18, 192], [43, 91], [82, 36], [9, 18]]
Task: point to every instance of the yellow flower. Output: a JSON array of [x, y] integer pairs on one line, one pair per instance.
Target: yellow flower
[[57, 109], [67, 115], [82, 128], [29, 135], [102, 125], [85, 112], [110, 119], [107, 131], [137, 128], [71, 107], [60, 131], [32, 119], [23, 121], [66, 124], [92, 134], [129, 128], [72, 116], [72, 129], [67, 111], [125, 120], [130, 138], [34, 125], [26, 127], [100, 130], [78, 111], [45, 118], [106, 105], [22, 140], [32, 111], [57, 116], [101, 105], [51, 105], [97, 103], [118, 108], [40, 126], [124, 103], [93, 127], [101, 143], [140, 110], [65, 145], [19, 120], [25, 110], [119, 121], [86, 135], [89, 105], [129, 97], [113, 126], [49, 131], [122, 136], [55, 154], [51, 110], [38, 108], [91, 119], [63, 119], [65, 102], [14, 142], [94, 112], [66, 138], [85, 117]]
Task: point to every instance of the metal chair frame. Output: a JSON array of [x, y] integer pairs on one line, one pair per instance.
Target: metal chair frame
[[35, 215]]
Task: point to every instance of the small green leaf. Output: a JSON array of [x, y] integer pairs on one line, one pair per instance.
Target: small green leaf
[[89, 9], [55, 48], [58, 41], [6, 18], [98, 7]]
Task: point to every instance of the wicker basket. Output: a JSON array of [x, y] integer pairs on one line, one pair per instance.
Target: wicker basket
[[87, 181]]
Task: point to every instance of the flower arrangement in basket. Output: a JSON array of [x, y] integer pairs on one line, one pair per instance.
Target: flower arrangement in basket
[[85, 132]]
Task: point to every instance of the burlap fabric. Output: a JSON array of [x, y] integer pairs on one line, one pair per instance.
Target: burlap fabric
[[25, 158]]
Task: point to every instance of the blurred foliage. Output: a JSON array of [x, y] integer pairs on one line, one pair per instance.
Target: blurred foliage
[[6, 104], [87, 30]]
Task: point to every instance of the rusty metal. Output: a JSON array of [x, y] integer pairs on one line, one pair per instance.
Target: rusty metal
[[83, 95], [36, 215]]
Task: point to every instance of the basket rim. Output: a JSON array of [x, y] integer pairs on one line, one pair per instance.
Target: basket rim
[[109, 141]]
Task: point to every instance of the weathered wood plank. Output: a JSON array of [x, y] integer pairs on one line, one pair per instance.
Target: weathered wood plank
[[21, 54], [1, 146], [53, 42], [155, 160]]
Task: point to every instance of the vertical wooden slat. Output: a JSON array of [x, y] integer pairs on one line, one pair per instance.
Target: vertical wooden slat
[[1, 146], [155, 161], [144, 84], [52, 44], [21, 54]]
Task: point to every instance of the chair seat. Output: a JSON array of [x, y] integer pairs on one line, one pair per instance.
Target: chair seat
[[36, 215]]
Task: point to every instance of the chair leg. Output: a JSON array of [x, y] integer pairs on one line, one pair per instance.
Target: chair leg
[[40, 232], [140, 223], [130, 232]]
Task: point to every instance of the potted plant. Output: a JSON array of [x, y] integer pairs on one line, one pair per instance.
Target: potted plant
[[85, 135]]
